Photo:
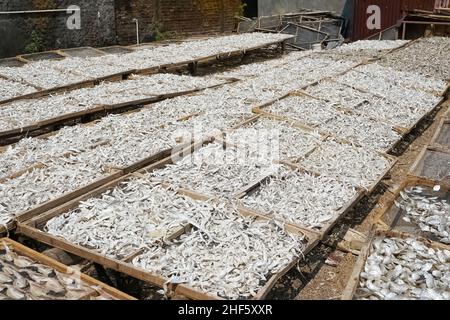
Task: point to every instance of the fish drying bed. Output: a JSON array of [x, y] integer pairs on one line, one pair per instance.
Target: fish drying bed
[[23, 117], [419, 207], [433, 164], [28, 275], [302, 199], [442, 136], [329, 123], [397, 266], [74, 72], [255, 249]]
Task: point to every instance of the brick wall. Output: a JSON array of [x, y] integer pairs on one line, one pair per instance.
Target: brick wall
[[180, 17]]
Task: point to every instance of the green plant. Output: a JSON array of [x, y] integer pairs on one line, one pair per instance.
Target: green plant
[[159, 32], [35, 44], [241, 10]]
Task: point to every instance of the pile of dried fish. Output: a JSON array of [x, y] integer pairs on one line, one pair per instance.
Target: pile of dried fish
[[21, 278], [41, 74], [362, 167], [40, 185], [260, 68], [134, 215], [301, 198], [217, 169], [311, 112], [372, 45], [428, 211], [150, 57], [51, 74], [268, 134], [367, 132], [390, 91], [225, 254], [428, 57], [402, 114], [11, 89], [93, 67], [404, 269], [403, 79], [367, 49], [23, 113], [123, 139]]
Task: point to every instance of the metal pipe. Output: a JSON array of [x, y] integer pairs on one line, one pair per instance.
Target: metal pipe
[[36, 11], [136, 21]]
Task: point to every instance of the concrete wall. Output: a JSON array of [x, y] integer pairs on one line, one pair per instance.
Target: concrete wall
[[270, 7]]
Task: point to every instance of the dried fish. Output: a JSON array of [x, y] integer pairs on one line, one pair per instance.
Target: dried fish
[[403, 79], [11, 89], [390, 91], [225, 254], [311, 112], [136, 214], [51, 74], [405, 269], [217, 170], [24, 113], [368, 49], [267, 134], [362, 167], [42, 184], [366, 132], [301, 198], [41, 74], [30, 283], [428, 57], [427, 210], [405, 113]]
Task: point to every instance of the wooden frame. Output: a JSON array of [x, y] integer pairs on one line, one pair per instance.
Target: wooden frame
[[42, 259], [388, 215], [31, 228], [418, 164], [353, 282], [440, 129]]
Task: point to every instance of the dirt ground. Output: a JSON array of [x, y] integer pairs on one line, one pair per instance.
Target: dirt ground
[[327, 269]]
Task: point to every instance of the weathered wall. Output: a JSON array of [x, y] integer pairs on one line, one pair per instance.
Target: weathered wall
[[270, 7], [97, 24], [106, 22], [176, 16]]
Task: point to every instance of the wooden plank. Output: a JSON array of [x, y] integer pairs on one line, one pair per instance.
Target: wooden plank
[[43, 259], [353, 282], [437, 134]]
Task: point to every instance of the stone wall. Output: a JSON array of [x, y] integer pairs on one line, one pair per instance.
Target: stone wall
[[97, 25]]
